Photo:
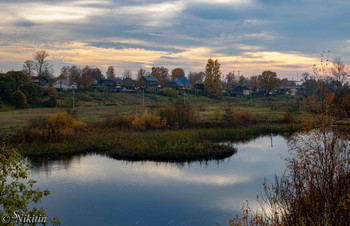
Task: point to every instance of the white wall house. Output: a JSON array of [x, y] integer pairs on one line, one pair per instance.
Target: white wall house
[[64, 85]]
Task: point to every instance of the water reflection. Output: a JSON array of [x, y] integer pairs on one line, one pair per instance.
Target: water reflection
[[94, 189]]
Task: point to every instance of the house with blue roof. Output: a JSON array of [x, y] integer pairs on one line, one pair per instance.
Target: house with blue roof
[[184, 82]]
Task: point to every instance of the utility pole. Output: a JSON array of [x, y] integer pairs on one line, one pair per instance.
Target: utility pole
[[143, 96], [73, 91], [61, 94]]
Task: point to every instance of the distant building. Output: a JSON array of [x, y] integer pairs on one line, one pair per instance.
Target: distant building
[[150, 83], [173, 84], [240, 91], [199, 88], [183, 82], [108, 85], [128, 85], [64, 85], [40, 81]]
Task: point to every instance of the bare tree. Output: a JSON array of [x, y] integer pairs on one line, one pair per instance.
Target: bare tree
[[110, 72], [340, 71], [141, 72], [196, 77], [127, 74], [230, 79], [64, 71], [40, 60], [28, 68]]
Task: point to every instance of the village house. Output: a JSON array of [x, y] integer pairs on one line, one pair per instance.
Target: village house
[[64, 85], [150, 83], [240, 91], [40, 81], [108, 85]]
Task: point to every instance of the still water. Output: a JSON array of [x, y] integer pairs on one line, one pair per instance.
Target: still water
[[98, 190]]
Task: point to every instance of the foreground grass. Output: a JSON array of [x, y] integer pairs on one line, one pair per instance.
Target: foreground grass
[[168, 145]]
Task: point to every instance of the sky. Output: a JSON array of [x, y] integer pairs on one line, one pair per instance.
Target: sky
[[249, 36]]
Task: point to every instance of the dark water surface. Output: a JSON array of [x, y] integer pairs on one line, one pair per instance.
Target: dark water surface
[[98, 190]]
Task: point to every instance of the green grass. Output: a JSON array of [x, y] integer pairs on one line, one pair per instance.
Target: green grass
[[92, 107]]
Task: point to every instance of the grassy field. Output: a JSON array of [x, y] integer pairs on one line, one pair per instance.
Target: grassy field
[[94, 107]]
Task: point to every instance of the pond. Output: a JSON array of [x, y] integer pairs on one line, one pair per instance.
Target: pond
[[98, 190]]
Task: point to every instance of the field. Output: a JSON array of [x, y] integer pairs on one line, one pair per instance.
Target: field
[[94, 107]]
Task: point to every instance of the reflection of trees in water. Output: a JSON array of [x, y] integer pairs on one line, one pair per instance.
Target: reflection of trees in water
[[48, 163], [178, 164]]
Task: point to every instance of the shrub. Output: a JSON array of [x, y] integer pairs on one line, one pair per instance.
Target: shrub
[[288, 117], [168, 113], [57, 127], [242, 119], [217, 114], [148, 121], [179, 115], [170, 92], [18, 99], [122, 121], [63, 125], [49, 91]]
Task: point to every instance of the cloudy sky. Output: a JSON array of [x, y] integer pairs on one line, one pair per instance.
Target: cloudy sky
[[250, 36]]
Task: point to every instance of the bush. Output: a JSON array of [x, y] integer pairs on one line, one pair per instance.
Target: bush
[[63, 125], [49, 91], [122, 121], [288, 117], [242, 119], [54, 128], [18, 99], [179, 115], [168, 113], [170, 92], [148, 121]]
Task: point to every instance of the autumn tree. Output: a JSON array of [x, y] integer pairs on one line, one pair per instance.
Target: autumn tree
[[269, 80], [86, 76], [75, 74], [177, 73], [254, 82], [97, 74], [110, 74], [162, 74], [212, 78]]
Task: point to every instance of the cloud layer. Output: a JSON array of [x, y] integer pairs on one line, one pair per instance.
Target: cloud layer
[[245, 35]]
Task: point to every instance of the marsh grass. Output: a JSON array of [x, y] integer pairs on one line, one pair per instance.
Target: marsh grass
[[159, 145]]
